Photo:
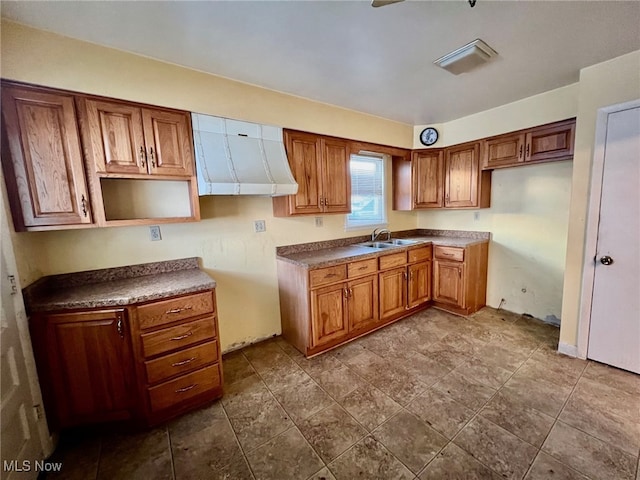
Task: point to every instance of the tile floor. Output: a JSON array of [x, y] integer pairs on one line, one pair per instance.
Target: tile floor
[[434, 396]]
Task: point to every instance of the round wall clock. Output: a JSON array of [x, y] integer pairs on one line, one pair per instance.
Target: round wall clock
[[429, 136]]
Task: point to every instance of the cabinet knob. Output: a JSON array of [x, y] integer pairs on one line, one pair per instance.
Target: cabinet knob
[[520, 154], [528, 146], [152, 155]]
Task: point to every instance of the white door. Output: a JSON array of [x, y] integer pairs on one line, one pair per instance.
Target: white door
[[614, 334], [24, 439]]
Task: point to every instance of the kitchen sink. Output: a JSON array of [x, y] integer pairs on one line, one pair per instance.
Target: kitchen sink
[[399, 241], [396, 242], [378, 245]]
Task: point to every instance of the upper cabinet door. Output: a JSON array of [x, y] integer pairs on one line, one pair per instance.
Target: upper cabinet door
[[304, 153], [428, 179], [113, 136], [42, 158], [503, 150], [168, 140], [551, 143], [461, 175], [336, 184]]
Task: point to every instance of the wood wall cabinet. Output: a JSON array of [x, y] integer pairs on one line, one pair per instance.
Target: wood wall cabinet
[[125, 138], [465, 186], [42, 159], [86, 366], [320, 165], [427, 178], [445, 178], [75, 161], [142, 363], [546, 143], [460, 277]]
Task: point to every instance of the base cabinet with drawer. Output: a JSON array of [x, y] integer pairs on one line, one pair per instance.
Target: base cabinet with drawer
[[143, 363], [325, 307]]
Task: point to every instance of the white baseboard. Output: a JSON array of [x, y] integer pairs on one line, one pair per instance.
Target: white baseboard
[[566, 349]]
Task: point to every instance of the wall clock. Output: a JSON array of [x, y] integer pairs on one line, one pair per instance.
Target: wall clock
[[429, 136]]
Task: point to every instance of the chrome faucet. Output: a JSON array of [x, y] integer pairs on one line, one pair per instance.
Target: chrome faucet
[[379, 231]]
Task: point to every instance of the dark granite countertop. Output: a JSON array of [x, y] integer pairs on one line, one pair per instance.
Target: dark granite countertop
[[323, 254], [117, 286]]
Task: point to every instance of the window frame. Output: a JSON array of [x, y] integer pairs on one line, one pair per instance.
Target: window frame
[[354, 224]]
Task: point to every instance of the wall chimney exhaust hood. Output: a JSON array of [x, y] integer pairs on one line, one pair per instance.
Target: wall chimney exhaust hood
[[240, 158]]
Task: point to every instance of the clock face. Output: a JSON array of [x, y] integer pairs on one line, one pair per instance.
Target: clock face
[[429, 136]]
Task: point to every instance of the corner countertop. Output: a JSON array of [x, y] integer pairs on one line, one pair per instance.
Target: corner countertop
[[118, 286], [323, 254]]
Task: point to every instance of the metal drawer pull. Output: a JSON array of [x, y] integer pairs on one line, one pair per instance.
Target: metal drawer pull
[[178, 310], [363, 268], [183, 362], [186, 389], [329, 275], [188, 334]]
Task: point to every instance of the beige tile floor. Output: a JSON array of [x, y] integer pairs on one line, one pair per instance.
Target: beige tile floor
[[434, 396]]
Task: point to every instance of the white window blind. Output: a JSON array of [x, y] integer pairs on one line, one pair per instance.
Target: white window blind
[[367, 192]]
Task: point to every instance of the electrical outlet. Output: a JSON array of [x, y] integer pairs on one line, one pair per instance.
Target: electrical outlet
[[318, 221], [476, 216], [259, 226], [154, 233]]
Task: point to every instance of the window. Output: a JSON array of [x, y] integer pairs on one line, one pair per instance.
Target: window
[[367, 192]]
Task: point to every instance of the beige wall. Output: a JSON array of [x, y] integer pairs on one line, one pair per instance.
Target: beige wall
[[608, 83], [528, 218], [529, 208], [241, 261]]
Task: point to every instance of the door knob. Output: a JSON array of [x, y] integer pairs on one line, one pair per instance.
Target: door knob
[[606, 260]]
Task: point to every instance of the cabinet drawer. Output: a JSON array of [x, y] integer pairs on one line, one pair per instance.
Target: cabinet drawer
[[183, 388], [180, 336], [323, 276], [168, 311], [419, 254], [393, 260], [181, 362], [364, 267], [449, 253]]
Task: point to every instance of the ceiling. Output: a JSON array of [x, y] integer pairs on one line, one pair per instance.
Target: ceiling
[[346, 53]]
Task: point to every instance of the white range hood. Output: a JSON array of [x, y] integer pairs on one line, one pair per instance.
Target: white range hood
[[240, 158]]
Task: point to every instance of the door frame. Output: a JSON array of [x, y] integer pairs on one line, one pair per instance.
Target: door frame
[[593, 222]]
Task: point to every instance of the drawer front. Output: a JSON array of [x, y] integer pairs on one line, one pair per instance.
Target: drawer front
[[183, 388], [393, 260], [181, 362], [168, 311], [364, 267], [323, 276], [449, 253], [420, 254], [180, 336]]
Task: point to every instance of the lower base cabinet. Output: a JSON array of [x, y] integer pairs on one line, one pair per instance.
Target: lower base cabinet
[[141, 363], [325, 307]]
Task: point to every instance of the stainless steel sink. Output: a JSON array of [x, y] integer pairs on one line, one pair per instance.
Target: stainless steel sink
[[400, 241], [378, 244]]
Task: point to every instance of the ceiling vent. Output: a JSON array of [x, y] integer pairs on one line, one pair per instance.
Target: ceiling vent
[[465, 59]]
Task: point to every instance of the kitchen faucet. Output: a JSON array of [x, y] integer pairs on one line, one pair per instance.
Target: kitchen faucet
[[375, 234]]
